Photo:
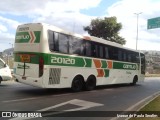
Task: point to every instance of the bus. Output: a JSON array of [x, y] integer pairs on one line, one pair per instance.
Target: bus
[[49, 57]]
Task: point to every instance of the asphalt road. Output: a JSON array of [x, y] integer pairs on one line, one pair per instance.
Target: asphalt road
[[101, 101]]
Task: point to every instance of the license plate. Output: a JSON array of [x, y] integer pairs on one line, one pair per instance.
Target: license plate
[[25, 58]]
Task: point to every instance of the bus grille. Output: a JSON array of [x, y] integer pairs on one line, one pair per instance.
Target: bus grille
[[54, 76]]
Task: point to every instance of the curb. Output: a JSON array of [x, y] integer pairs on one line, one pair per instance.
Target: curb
[[138, 105], [143, 102]]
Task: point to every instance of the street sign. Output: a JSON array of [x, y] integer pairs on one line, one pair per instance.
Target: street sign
[[153, 23]]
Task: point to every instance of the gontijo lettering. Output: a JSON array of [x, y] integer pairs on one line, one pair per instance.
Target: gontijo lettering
[[22, 37], [126, 66]]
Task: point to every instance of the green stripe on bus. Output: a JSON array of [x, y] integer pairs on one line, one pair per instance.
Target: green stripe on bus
[[88, 62], [106, 71], [72, 61], [104, 64], [128, 66], [28, 37], [54, 59]]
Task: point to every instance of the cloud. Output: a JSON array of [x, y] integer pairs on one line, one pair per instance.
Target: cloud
[[66, 15], [73, 22], [124, 10], [9, 22], [5, 40], [7, 32], [44, 7], [3, 28], [7, 27], [62, 13]]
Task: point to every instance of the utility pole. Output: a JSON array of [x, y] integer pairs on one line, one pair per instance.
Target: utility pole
[[137, 14]]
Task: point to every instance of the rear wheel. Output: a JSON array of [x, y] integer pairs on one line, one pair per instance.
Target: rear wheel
[[90, 83], [77, 84]]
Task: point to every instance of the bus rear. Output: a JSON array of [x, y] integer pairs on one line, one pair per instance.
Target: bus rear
[[28, 60]]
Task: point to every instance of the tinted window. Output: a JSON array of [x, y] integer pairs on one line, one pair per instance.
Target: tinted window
[[101, 53], [106, 52], [113, 53], [76, 46], [63, 43], [135, 57], [95, 51], [88, 48], [68, 44], [53, 40], [129, 57], [120, 55], [124, 55], [56, 41]]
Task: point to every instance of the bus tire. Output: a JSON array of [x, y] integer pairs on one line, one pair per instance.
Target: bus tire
[[90, 83], [0, 79], [135, 80], [77, 84]]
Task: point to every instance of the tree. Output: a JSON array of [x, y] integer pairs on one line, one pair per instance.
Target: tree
[[106, 28]]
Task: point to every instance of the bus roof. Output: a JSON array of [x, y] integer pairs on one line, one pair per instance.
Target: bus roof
[[90, 38]]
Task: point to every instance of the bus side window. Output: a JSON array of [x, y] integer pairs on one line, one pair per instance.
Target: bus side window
[[56, 41], [137, 58], [125, 56], [106, 53], [95, 50], [119, 54], [51, 40], [129, 57], [134, 60], [101, 54], [75, 46], [63, 43], [88, 49], [82, 47], [113, 53]]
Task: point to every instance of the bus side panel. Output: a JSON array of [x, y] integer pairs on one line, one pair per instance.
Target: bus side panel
[[62, 77]]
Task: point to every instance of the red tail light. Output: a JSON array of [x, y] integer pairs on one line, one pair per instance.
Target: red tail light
[[41, 66]]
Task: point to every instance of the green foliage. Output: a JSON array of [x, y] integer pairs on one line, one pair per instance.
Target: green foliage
[[106, 28], [152, 107]]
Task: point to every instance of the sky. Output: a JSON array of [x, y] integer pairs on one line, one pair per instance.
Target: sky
[[73, 15]]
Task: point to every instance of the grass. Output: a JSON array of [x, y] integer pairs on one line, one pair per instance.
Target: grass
[[152, 108]]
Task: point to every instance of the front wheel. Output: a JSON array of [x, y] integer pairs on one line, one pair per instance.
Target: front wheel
[[135, 80], [0, 80], [77, 84]]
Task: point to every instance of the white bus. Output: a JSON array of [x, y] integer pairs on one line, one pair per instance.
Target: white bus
[[49, 57]]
